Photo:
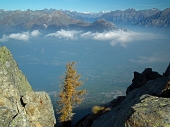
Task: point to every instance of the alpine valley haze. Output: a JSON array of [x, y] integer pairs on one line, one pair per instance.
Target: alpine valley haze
[[121, 50]]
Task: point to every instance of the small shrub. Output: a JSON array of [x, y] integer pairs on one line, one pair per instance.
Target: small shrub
[[97, 109]]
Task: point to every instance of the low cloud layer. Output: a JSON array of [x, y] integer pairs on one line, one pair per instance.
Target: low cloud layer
[[63, 34], [115, 37], [120, 37], [24, 36]]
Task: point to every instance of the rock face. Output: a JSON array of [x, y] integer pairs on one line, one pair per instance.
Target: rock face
[[140, 79], [20, 106], [45, 20], [167, 72], [161, 19], [144, 106], [102, 24], [31, 20], [128, 16]]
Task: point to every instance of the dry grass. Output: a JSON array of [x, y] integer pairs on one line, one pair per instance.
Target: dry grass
[[97, 109]]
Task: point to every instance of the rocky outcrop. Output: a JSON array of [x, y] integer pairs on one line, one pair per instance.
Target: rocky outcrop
[[144, 106], [20, 106], [140, 79], [167, 72], [150, 112]]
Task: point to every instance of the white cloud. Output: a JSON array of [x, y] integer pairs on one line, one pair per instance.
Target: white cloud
[[63, 34], [20, 36], [115, 37], [24, 36], [35, 33], [119, 37], [86, 35]]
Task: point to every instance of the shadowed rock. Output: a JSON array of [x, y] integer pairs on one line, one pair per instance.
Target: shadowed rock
[[167, 72], [140, 79]]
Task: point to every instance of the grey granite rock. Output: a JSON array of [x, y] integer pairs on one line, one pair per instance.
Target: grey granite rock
[[140, 107], [20, 106], [39, 109]]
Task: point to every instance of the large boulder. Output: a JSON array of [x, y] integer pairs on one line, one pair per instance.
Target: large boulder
[[14, 93], [151, 111]]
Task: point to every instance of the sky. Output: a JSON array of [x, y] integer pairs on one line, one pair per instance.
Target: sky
[[84, 5]]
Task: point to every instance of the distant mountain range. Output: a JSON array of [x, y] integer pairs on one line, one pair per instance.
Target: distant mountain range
[[148, 18], [160, 19], [58, 19], [52, 20]]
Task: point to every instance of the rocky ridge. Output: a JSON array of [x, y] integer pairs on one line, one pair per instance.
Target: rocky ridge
[[20, 106], [147, 104], [44, 20], [53, 20], [129, 16], [161, 19]]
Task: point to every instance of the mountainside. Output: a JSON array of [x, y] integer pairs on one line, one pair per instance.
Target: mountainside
[[161, 19], [147, 104], [42, 20], [85, 16], [101, 25], [53, 20], [20, 106], [129, 16], [152, 17]]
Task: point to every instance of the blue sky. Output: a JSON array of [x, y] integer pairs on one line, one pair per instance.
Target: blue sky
[[83, 5]]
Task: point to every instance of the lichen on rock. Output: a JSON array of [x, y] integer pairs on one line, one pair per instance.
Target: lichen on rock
[[14, 88]]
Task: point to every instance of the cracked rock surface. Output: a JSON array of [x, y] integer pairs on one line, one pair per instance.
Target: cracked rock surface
[[20, 106]]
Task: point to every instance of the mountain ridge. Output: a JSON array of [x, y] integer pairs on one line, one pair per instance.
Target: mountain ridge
[[53, 20], [161, 19], [45, 20]]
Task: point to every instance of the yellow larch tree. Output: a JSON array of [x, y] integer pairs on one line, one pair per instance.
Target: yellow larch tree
[[69, 96]]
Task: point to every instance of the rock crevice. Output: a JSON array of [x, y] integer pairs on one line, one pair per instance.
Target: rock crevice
[[19, 104]]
